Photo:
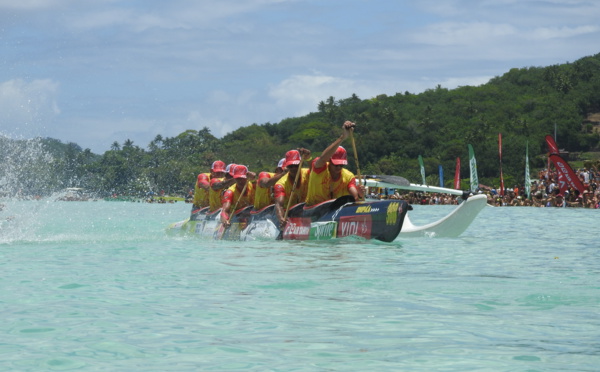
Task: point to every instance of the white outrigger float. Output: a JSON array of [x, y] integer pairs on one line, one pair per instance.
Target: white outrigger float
[[383, 220], [450, 226]]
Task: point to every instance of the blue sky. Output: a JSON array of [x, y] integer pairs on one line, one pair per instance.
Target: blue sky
[[98, 71]]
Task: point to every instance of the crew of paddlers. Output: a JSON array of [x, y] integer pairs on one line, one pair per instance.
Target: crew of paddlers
[[234, 186]]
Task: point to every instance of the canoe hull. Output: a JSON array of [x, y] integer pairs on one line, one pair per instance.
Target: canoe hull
[[380, 220]]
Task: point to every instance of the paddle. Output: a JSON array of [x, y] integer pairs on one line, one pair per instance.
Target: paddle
[[240, 197], [356, 161], [287, 209], [355, 154]]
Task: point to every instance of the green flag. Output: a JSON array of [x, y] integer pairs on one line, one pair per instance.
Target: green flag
[[527, 176], [422, 169], [473, 166]]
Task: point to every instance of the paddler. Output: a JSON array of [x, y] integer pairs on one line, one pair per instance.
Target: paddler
[[202, 186], [264, 187], [328, 177], [284, 188], [218, 183], [239, 195]]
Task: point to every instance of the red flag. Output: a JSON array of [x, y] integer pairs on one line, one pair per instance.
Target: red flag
[[566, 176], [552, 147], [457, 175], [500, 156]]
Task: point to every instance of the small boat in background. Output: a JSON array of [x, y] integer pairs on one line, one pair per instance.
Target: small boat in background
[[73, 194]]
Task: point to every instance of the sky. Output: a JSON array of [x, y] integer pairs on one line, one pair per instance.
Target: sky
[[98, 71]]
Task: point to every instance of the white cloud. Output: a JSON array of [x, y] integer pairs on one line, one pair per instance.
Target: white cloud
[[455, 82], [197, 120], [99, 133], [472, 33], [30, 5], [27, 104], [101, 18], [175, 14], [547, 33], [300, 94]]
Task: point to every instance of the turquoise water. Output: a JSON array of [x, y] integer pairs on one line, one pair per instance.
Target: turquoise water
[[99, 286]]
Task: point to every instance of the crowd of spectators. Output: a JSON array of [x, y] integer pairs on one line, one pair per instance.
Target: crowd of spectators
[[546, 192]]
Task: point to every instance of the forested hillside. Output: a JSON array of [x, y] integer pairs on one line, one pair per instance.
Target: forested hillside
[[524, 105]]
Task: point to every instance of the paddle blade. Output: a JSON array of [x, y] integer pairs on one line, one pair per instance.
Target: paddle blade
[[219, 232]]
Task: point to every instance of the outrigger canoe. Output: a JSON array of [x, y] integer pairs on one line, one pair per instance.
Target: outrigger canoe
[[377, 219], [371, 219]]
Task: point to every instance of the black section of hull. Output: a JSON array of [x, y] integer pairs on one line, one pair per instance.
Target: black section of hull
[[381, 220]]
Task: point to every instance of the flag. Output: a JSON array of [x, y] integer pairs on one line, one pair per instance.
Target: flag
[[457, 175], [473, 167], [441, 170], [500, 156], [566, 176], [422, 169], [552, 147], [527, 176]]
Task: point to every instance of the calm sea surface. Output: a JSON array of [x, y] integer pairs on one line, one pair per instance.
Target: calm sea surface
[[100, 286]]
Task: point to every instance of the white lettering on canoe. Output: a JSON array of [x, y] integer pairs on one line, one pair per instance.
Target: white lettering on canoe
[[294, 229], [324, 230], [350, 228]]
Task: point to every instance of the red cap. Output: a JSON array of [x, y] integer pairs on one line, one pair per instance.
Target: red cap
[[292, 157], [239, 171], [340, 157], [218, 166], [229, 169]]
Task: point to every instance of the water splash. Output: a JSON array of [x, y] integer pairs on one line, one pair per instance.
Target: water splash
[[26, 169]]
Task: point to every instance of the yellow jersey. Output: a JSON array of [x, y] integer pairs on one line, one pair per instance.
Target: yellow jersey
[[283, 187], [214, 197], [321, 186], [263, 196], [232, 195], [200, 194]]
